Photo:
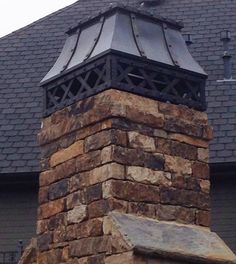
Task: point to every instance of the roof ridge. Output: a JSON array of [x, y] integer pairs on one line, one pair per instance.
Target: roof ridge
[[40, 20]]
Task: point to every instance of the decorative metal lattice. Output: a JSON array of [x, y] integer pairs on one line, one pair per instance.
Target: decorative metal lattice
[[127, 73]]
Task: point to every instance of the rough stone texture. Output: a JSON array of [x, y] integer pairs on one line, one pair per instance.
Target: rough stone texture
[[118, 152], [170, 240]]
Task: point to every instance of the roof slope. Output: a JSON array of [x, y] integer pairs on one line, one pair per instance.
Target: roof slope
[[27, 55]]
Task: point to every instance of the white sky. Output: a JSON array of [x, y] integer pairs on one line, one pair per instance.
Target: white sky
[[15, 14]]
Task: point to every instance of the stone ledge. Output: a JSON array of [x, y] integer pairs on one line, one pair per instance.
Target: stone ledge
[[172, 241]]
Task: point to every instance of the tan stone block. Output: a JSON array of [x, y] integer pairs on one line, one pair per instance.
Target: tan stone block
[[46, 177], [160, 133], [77, 214], [103, 173], [205, 186], [178, 165], [63, 155], [203, 155], [189, 140], [145, 175], [52, 208], [137, 140], [107, 225]]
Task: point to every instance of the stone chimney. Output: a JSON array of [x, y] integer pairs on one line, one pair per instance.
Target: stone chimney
[[124, 141]]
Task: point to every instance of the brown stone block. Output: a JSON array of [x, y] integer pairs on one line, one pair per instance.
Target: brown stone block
[[64, 170], [185, 182], [178, 165], [183, 112], [142, 209], [43, 195], [137, 157], [74, 183], [49, 257], [94, 193], [63, 155], [179, 126], [58, 189], [90, 228], [90, 246], [204, 201], [98, 209], [130, 191], [152, 119], [44, 241], [183, 150], [42, 227], [208, 132], [201, 170], [148, 176], [189, 140], [88, 161], [105, 138], [203, 218], [101, 174], [175, 213], [117, 205], [93, 129], [52, 208], [59, 235], [163, 146], [183, 197], [56, 221], [48, 149], [137, 140]]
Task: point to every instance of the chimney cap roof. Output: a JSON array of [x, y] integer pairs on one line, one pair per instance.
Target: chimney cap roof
[[128, 49]]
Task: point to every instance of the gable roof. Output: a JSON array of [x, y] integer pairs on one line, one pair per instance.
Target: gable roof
[[27, 55]]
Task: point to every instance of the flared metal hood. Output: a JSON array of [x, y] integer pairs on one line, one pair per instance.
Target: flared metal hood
[[127, 32]]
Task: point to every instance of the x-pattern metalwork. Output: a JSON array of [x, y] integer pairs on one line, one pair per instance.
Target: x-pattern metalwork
[[128, 74]]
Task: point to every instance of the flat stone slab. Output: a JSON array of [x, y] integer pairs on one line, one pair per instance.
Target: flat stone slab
[[171, 240]]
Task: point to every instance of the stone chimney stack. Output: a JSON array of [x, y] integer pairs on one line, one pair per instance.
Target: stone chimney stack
[[124, 141]]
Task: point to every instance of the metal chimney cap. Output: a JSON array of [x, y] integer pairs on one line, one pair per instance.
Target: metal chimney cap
[[122, 7], [128, 49]]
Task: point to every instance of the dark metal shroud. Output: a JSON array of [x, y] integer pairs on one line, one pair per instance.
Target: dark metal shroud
[[130, 50]]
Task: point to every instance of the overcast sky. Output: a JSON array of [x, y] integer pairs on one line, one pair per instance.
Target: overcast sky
[[15, 14]]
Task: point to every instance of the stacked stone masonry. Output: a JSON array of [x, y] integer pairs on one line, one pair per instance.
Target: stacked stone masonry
[[118, 152]]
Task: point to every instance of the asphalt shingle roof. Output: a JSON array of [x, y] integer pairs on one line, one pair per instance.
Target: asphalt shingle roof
[[27, 55]]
